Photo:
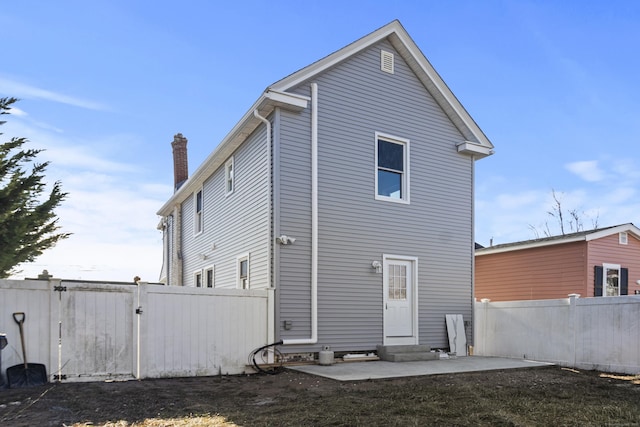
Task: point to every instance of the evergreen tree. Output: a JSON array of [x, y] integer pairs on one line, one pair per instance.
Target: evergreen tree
[[28, 224]]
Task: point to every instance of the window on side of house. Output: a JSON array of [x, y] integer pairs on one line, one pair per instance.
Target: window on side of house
[[392, 168], [623, 238], [198, 202], [209, 277], [611, 280], [229, 171], [197, 279], [243, 271]]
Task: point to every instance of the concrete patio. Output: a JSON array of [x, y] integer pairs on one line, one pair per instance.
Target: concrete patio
[[356, 371]]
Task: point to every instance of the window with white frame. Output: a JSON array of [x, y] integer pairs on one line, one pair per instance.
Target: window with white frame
[[228, 176], [197, 279], [623, 238], [198, 219], [209, 277], [611, 280], [243, 271], [392, 168]]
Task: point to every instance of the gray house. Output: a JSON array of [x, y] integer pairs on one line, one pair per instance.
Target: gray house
[[347, 188]]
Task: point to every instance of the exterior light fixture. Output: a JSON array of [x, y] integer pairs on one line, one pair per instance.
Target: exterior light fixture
[[376, 264], [285, 240]]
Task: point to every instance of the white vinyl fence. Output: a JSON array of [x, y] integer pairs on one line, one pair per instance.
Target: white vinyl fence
[[586, 333], [93, 331]]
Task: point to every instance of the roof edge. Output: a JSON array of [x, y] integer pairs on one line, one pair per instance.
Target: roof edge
[[559, 240], [268, 101]]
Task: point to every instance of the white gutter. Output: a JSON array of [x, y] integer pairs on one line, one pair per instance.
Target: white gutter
[[270, 236], [314, 223]]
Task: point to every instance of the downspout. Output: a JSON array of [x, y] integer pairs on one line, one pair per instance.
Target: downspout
[[473, 253], [270, 236], [314, 223], [177, 256]]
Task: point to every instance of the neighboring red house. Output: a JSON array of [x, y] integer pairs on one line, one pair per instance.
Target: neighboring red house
[[600, 262]]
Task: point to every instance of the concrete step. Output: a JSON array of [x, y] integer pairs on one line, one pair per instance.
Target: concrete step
[[406, 353]]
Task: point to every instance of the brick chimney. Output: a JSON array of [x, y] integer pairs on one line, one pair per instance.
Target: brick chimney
[[180, 162]]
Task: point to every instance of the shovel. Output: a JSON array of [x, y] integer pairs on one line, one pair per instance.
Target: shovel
[[26, 374]]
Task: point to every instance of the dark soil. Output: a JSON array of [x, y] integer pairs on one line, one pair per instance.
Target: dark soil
[[518, 397]]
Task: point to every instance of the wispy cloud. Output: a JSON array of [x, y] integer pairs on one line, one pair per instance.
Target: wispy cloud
[[110, 209], [587, 170], [21, 90]]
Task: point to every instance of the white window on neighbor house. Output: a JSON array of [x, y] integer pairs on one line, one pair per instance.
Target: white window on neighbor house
[[623, 238], [209, 277], [611, 280], [392, 168], [198, 220], [197, 279], [228, 176], [243, 271]]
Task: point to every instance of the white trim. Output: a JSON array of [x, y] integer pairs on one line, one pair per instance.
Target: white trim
[[606, 267], [239, 259], [229, 165], [473, 149], [198, 220], [414, 339], [405, 199]]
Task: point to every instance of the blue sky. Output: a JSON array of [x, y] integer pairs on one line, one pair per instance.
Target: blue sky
[[104, 86]]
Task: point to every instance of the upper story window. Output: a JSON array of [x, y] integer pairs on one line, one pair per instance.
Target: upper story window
[[228, 176], [392, 168], [623, 238], [197, 279], [198, 219]]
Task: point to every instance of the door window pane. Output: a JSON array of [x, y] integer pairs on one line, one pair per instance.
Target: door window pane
[[397, 282]]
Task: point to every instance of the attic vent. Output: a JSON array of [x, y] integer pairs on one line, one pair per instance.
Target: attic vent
[[386, 61], [623, 238]]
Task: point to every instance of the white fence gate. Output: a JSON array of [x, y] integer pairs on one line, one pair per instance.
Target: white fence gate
[[585, 333], [92, 331]]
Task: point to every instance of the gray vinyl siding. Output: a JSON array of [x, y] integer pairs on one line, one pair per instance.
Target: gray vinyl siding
[[356, 99], [292, 163], [236, 224]]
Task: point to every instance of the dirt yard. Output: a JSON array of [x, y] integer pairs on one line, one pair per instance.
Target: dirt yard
[[521, 397]]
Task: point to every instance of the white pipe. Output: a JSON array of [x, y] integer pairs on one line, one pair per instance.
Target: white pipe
[[270, 235], [314, 223], [139, 315]]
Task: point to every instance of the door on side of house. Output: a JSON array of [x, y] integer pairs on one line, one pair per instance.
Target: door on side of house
[[399, 299]]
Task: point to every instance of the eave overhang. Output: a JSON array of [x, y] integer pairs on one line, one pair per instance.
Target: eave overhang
[[268, 101]]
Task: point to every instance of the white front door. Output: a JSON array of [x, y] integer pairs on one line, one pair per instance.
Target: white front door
[[400, 310]]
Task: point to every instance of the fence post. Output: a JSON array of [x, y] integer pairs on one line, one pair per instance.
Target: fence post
[[485, 319], [573, 327], [141, 327]]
